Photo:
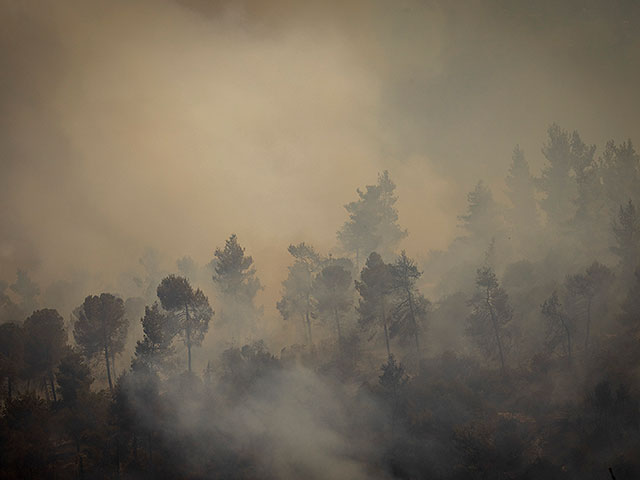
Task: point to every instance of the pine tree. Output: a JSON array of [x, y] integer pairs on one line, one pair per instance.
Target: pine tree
[[191, 308], [556, 182], [560, 326], [375, 286], [372, 224], [585, 287], [235, 279], [523, 213], [489, 321], [410, 308], [45, 340], [155, 348], [482, 220], [297, 298], [626, 230], [11, 354], [101, 328], [333, 289]]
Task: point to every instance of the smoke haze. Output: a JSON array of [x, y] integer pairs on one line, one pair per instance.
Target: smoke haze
[[172, 125]]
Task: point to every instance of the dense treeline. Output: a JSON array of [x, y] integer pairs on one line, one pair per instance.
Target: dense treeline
[[523, 363]]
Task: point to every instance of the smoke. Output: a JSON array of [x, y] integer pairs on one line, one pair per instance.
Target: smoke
[[174, 124]]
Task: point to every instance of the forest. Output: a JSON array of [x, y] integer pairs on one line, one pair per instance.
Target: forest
[[355, 239], [511, 354]]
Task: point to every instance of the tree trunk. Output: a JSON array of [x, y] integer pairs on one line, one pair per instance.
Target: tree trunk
[[9, 386], [496, 333], [188, 332], [46, 389], [106, 358], [188, 352], [566, 329], [335, 313], [386, 330], [415, 324], [53, 387], [586, 338], [113, 365], [309, 326], [304, 329]]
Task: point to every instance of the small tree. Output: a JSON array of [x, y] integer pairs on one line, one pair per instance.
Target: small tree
[[626, 230], [191, 308], [374, 287], [155, 348], [560, 326], [372, 224], [556, 182], [392, 381], [333, 289], [297, 298], [630, 314], [11, 354], [101, 328], [410, 308], [482, 220], [523, 214], [235, 278], [45, 340], [585, 287], [78, 415], [488, 323]]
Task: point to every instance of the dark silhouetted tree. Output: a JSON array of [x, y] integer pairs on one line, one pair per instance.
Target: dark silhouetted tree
[[191, 308], [392, 381], [333, 289], [620, 173], [626, 229], [79, 417], [630, 314], [585, 287], [556, 183], [372, 224], [101, 328], [410, 308], [482, 220], [11, 354], [489, 321], [45, 340], [375, 286], [155, 348], [560, 326]]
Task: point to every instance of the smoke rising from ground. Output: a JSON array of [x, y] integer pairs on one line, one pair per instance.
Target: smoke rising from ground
[[172, 125]]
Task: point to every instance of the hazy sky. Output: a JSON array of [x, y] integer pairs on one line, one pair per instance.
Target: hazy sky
[[174, 124]]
